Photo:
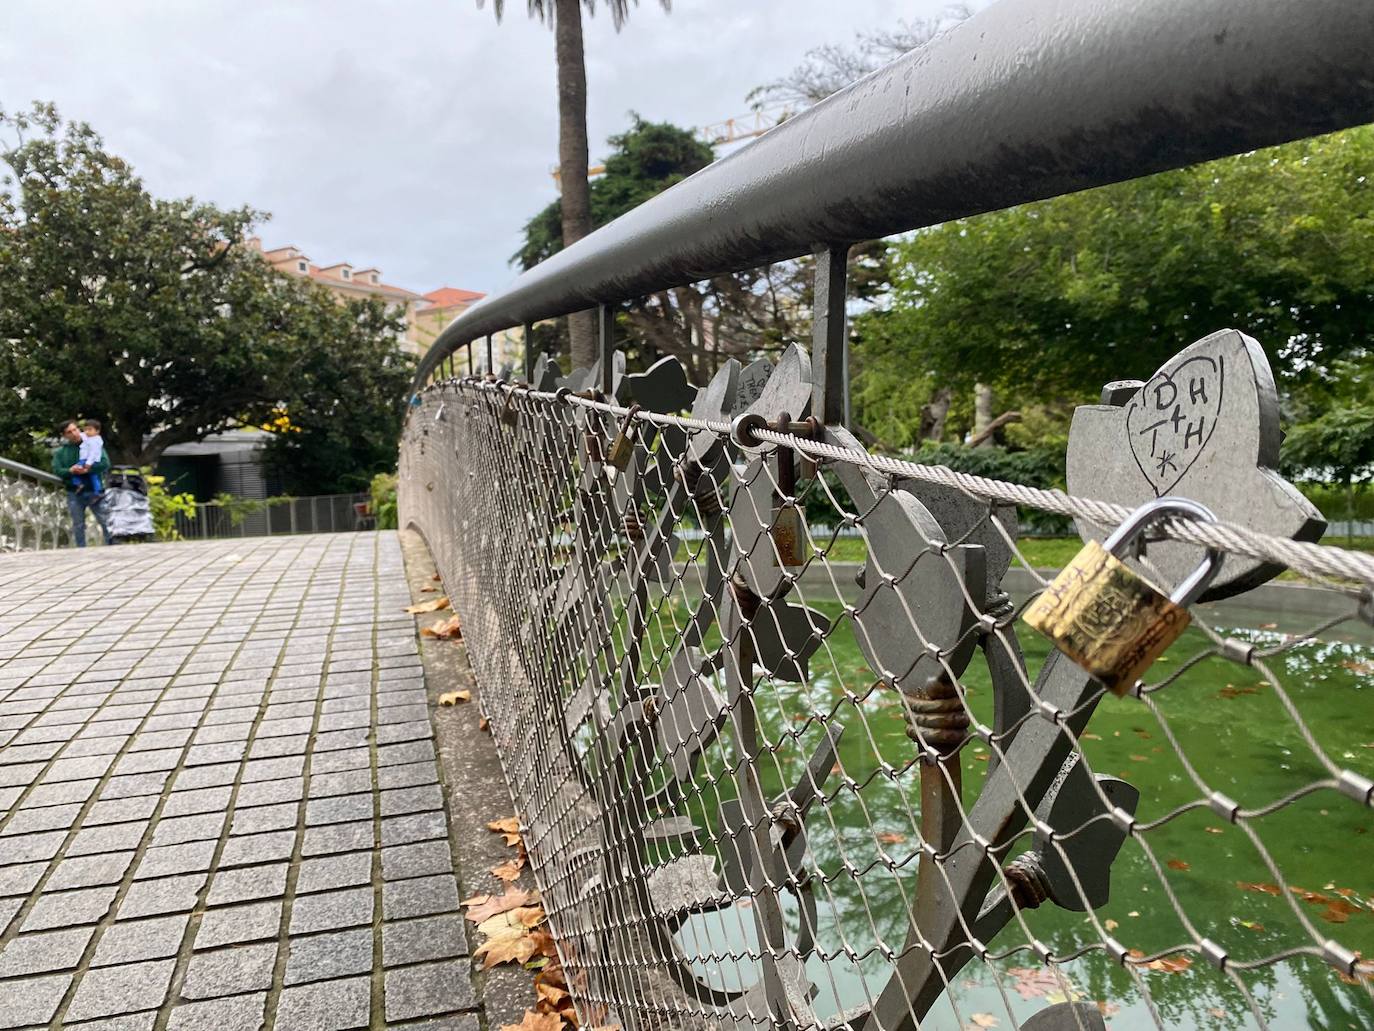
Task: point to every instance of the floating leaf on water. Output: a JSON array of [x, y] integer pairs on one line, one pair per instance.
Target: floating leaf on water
[[1111, 925], [891, 838], [982, 1020], [1178, 864]]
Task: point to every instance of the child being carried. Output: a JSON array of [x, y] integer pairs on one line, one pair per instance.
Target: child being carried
[[92, 447]]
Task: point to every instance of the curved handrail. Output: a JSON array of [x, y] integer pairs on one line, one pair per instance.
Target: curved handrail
[[1026, 100], [20, 469]]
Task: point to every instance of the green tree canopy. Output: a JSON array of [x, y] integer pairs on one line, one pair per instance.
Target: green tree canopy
[[1050, 300], [151, 315]]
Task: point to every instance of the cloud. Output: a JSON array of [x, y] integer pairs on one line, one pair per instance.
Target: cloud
[[417, 135]]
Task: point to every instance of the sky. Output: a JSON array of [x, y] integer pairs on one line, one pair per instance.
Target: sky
[[416, 136]]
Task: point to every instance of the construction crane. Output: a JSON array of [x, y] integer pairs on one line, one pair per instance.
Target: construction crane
[[720, 134]]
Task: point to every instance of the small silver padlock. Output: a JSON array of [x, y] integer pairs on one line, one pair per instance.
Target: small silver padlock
[[1109, 619], [623, 447], [789, 539]]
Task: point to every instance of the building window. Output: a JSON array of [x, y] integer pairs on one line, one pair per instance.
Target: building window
[[300, 266], [375, 279], [345, 273]]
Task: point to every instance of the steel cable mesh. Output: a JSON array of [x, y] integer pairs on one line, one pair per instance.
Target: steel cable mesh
[[851, 790]]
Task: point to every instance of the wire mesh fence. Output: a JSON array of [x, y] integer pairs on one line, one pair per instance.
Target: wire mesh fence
[[761, 786]]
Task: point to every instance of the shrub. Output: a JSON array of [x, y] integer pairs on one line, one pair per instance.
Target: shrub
[[384, 500]]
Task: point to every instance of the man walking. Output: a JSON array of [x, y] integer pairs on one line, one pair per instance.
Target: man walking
[[66, 464]]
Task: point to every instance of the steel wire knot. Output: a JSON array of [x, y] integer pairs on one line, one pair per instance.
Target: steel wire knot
[[936, 717]]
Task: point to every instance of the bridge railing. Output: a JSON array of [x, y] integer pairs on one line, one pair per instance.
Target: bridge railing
[[766, 781], [33, 510]]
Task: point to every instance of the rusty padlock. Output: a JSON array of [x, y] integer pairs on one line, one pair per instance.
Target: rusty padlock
[[789, 539], [623, 447], [1108, 619]]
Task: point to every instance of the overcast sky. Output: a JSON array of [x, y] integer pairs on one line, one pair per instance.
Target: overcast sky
[[414, 135]]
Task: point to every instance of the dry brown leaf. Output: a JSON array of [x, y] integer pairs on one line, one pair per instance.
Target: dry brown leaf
[[448, 630], [1267, 889], [428, 590], [550, 994], [434, 576], [536, 1022], [1110, 925], [510, 869], [527, 916], [1177, 864], [483, 907], [1213, 830], [484, 724], [454, 697], [512, 945], [891, 838], [509, 828], [428, 606], [1166, 964]]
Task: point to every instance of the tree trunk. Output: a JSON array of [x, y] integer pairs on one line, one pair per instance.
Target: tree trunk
[[982, 414], [933, 415], [573, 160]]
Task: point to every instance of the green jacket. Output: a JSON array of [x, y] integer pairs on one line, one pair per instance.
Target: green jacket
[[66, 456]]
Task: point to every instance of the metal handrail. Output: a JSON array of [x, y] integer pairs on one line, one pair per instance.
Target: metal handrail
[[1026, 100], [20, 469]]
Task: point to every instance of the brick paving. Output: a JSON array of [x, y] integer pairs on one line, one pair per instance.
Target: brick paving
[[219, 804]]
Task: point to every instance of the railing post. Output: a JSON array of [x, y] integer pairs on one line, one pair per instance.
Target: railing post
[[830, 338], [491, 368], [469, 357], [530, 356], [605, 320]]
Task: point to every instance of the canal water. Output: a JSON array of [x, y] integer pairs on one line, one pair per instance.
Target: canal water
[[1303, 869]]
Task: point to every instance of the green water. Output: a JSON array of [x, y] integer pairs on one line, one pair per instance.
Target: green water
[[1239, 738]]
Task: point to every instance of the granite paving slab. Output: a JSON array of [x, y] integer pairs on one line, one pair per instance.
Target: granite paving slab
[[219, 806]]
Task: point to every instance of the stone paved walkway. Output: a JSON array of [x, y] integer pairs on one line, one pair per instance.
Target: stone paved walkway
[[219, 806]]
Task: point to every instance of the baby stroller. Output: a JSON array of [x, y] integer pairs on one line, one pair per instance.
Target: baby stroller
[[128, 516]]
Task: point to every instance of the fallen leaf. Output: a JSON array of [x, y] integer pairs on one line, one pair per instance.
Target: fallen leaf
[[1231, 691], [1110, 925], [1090, 737], [448, 630], [1035, 982], [1213, 830], [983, 1020], [536, 1022], [510, 869], [1107, 1009], [1337, 911], [428, 590], [508, 828], [891, 838], [454, 697], [434, 576], [1251, 925], [1267, 889], [484, 907], [1268, 626], [1178, 864], [428, 606], [550, 994], [528, 916], [1218, 1012], [484, 724], [1166, 964]]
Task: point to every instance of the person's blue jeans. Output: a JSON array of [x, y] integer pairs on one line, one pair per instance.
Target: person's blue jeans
[[77, 504]]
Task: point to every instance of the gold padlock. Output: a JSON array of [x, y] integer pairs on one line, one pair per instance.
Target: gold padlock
[[1107, 618], [623, 447]]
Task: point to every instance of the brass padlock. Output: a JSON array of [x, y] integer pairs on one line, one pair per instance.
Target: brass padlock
[[789, 539], [1107, 618], [623, 447]]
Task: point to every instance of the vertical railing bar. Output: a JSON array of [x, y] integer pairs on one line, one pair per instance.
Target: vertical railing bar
[[491, 367], [605, 319], [829, 338], [530, 356]]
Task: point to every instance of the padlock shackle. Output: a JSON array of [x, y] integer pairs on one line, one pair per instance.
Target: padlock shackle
[[1160, 508]]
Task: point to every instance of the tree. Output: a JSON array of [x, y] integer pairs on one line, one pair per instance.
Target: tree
[[702, 323], [830, 68], [575, 211], [150, 314], [1048, 301]]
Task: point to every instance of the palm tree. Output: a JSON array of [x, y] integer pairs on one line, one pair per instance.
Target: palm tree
[[572, 134]]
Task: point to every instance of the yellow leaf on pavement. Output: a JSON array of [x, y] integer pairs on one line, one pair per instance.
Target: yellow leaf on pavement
[[454, 697], [448, 630], [510, 869], [483, 907], [428, 606]]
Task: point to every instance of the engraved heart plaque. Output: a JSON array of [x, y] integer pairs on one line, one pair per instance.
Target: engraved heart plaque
[[1173, 418]]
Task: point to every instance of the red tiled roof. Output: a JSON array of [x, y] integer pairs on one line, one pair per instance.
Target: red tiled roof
[[450, 296]]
